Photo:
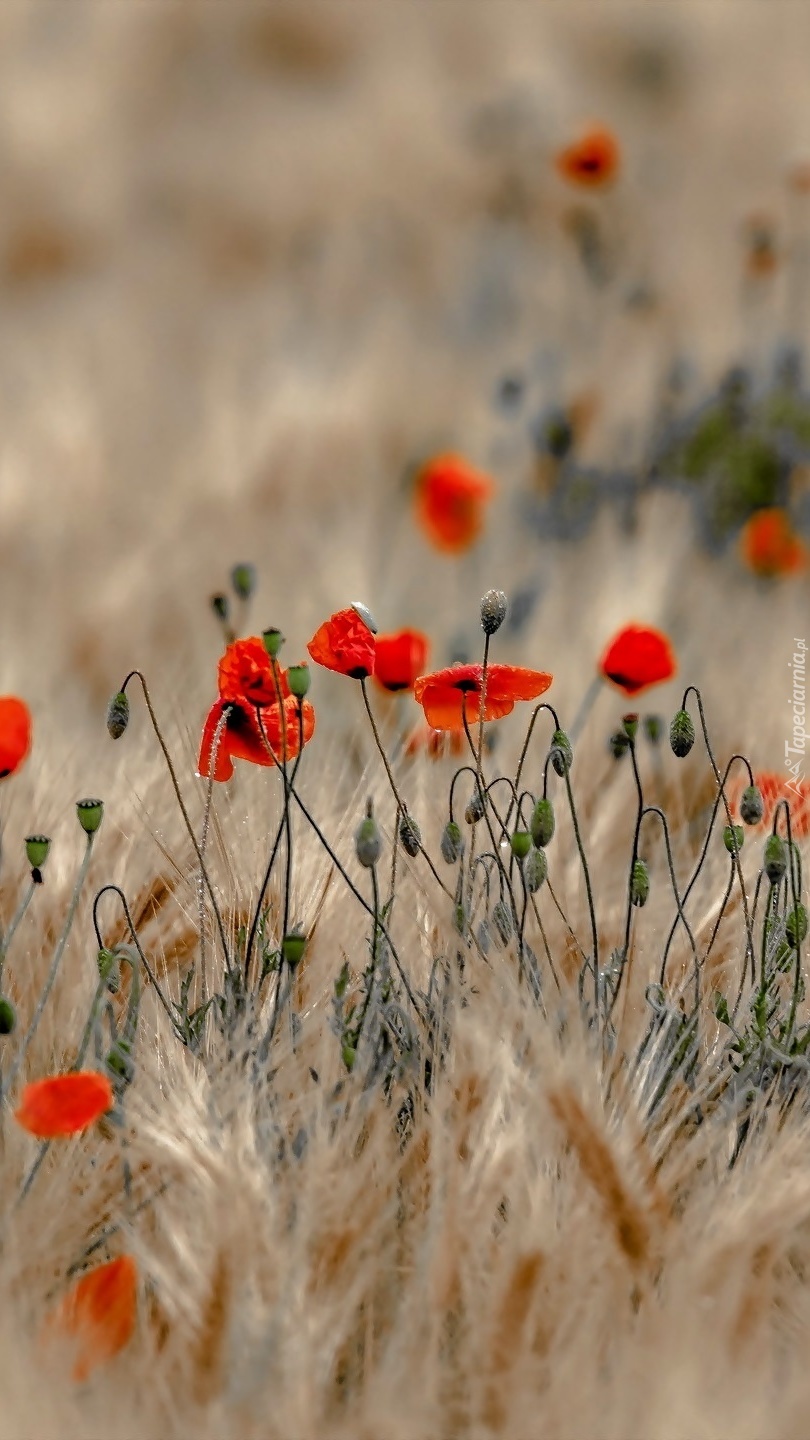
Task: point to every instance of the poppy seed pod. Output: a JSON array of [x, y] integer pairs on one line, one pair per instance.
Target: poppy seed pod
[[751, 806], [535, 870], [298, 679], [36, 850], [562, 754], [293, 946], [117, 715], [796, 924], [733, 834], [640, 884], [410, 836], [91, 814], [775, 858], [272, 641], [493, 611], [542, 823], [367, 841], [8, 1016], [681, 734], [630, 725], [243, 580], [452, 844], [619, 744], [521, 843]]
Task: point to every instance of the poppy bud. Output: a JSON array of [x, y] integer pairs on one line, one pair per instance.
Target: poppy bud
[[630, 725], [117, 715], [562, 755], [460, 918], [36, 850], [521, 843], [367, 842], [502, 920], [293, 946], [243, 580], [272, 641], [751, 806], [8, 1017], [220, 607], [298, 679], [640, 884], [681, 734], [619, 744], [775, 859], [493, 611], [452, 845], [475, 808], [535, 870], [653, 728], [795, 924], [365, 615], [348, 1055], [91, 814], [410, 836], [732, 833], [119, 1060], [542, 823]]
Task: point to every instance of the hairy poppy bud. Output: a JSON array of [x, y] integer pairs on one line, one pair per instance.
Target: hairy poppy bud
[[562, 754], [796, 924], [410, 836], [117, 715], [365, 615], [681, 734], [119, 1060], [732, 834], [243, 580], [493, 611], [619, 744], [640, 884], [535, 870], [502, 920], [298, 679], [751, 806], [542, 823], [293, 946], [367, 842], [521, 843], [452, 845], [775, 859], [630, 725], [8, 1016], [36, 850], [220, 607], [91, 814], [109, 969], [272, 641], [460, 918], [475, 808], [653, 728]]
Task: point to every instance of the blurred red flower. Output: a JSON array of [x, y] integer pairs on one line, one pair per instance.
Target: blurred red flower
[[400, 659], [592, 161], [344, 643], [450, 497], [447, 695], [64, 1104], [770, 546], [98, 1314], [248, 675], [15, 734], [637, 658]]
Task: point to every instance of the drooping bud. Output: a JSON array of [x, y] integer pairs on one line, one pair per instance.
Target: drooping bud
[[220, 607], [452, 844], [293, 946], [619, 744], [640, 884], [243, 580], [751, 806], [796, 924], [410, 836], [118, 715], [460, 918], [502, 920], [521, 843], [37, 848], [630, 725], [493, 611], [775, 858], [109, 970], [367, 841], [8, 1016], [119, 1060], [272, 641], [542, 823], [535, 870], [732, 834], [562, 754], [653, 728], [91, 814], [681, 734], [365, 615], [298, 679], [475, 808]]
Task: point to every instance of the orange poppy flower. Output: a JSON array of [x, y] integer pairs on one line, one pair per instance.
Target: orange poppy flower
[[592, 161], [64, 1104], [248, 675], [344, 643], [241, 737], [769, 545], [450, 497], [637, 658], [775, 787], [400, 659], [98, 1314], [15, 734], [447, 695]]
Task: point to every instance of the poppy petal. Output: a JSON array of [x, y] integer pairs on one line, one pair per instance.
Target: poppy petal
[[344, 643], [64, 1104], [15, 734], [223, 767], [98, 1314]]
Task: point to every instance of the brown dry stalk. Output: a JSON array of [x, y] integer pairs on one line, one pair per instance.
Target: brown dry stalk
[[209, 1352], [510, 1323]]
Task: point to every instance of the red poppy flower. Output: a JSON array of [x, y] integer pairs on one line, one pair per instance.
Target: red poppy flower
[[247, 674], [241, 737], [769, 545], [447, 695], [344, 643], [638, 657], [98, 1314], [15, 734], [450, 498], [775, 787], [592, 161], [400, 659], [64, 1104]]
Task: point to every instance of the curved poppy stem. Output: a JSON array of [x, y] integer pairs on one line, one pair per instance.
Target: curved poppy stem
[[150, 975], [544, 705], [633, 859]]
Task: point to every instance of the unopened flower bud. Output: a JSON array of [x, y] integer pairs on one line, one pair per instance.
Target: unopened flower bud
[[521, 843], [681, 734], [293, 946], [562, 754], [348, 1054], [502, 920], [91, 814], [118, 715], [751, 806], [775, 858], [410, 836], [109, 969], [640, 884], [535, 870], [220, 607], [452, 845], [630, 725], [367, 842], [475, 808], [732, 834], [8, 1016], [272, 641], [619, 744], [542, 823], [243, 580], [119, 1060], [365, 615], [493, 611], [460, 918], [298, 679], [36, 850], [653, 728], [796, 924]]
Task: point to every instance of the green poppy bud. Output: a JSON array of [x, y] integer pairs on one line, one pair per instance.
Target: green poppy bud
[[348, 1055], [542, 823], [640, 884], [619, 744], [37, 848], [117, 715], [502, 920], [91, 814], [493, 611], [775, 858], [452, 844], [460, 918], [535, 870], [119, 1060], [109, 969], [8, 1017], [562, 754], [367, 841], [410, 836], [521, 843], [292, 948], [653, 728], [298, 679], [272, 641], [681, 734], [796, 924], [630, 725], [243, 580], [751, 806], [732, 833]]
